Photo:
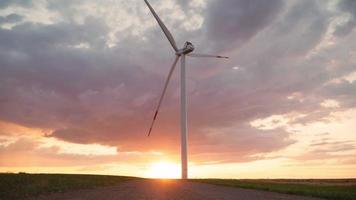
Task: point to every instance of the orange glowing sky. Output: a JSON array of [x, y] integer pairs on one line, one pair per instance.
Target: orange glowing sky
[[79, 83]]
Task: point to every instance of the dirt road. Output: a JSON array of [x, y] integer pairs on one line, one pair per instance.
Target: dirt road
[[168, 190]]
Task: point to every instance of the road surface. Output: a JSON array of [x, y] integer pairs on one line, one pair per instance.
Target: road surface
[[168, 190]]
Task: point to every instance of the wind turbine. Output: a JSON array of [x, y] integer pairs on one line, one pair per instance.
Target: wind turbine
[[187, 50]]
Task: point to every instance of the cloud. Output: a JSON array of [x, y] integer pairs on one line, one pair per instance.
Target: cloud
[[349, 7], [238, 144], [329, 149], [6, 3], [231, 23], [89, 78], [344, 91], [25, 151], [12, 18]]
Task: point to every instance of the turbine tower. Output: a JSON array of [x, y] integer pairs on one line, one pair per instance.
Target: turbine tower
[[187, 50]]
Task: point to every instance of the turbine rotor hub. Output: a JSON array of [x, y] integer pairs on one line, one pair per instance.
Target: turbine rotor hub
[[188, 48]]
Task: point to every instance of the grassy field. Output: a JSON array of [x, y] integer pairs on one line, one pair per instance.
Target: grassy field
[[19, 186], [338, 189]]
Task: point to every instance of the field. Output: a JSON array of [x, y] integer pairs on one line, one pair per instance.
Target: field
[[19, 186], [338, 189]]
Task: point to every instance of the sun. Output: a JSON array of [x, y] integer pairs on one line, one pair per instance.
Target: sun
[[163, 170]]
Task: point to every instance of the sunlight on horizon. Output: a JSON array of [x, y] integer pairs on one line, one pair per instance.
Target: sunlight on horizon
[[163, 170], [79, 83]]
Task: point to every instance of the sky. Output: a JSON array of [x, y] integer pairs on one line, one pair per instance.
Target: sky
[[80, 80]]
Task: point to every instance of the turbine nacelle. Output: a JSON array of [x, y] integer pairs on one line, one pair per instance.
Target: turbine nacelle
[[188, 48]]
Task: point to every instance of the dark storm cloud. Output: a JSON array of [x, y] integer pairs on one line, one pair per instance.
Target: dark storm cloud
[[64, 77]]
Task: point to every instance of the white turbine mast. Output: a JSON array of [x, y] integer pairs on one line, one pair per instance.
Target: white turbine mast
[[187, 50]]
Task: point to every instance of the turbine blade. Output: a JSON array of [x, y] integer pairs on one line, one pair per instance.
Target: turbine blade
[[206, 55], [163, 93], [163, 27]]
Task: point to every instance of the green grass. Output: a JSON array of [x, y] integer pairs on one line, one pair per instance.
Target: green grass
[[328, 190], [19, 186]]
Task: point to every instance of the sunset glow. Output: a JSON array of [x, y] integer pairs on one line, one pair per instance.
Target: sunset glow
[[80, 81], [164, 170]]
